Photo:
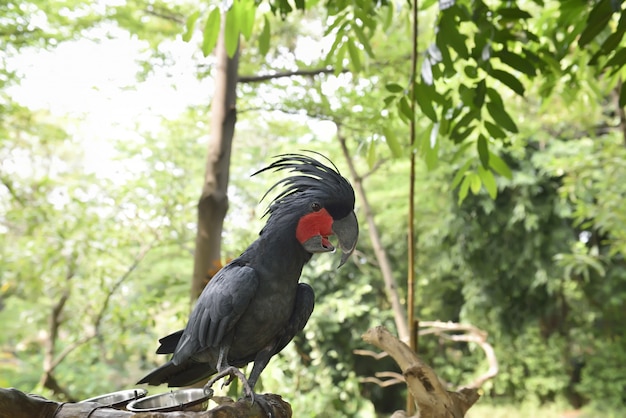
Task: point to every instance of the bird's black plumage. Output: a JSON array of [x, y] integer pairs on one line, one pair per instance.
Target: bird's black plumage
[[255, 305]]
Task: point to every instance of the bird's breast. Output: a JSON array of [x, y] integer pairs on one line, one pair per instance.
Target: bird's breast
[[267, 315]]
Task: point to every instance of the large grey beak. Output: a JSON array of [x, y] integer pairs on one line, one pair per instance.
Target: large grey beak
[[347, 231]]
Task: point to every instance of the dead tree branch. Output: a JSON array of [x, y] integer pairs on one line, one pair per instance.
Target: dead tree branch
[[431, 398], [470, 334]]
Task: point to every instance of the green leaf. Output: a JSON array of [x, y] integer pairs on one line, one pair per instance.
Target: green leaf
[[450, 35], [339, 57], [489, 181], [190, 25], [618, 60], [494, 130], [475, 182], [264, 38], [392, 142], [483, 150], [509, 80], [479, 98], [432, 158], [246, 15], [513, 13], [464, 189], [394, 88], [389, 100], [516, 62], [608, 46], [211, 31], [596, 22], [467, 95], [460, 174], [371, 154], [404, 108], [499, 166], [355, 55], [425, 100], [363, 39], [500, 116], [231, 30]]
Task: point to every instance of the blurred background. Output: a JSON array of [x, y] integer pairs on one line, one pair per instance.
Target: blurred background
[[519, 219]]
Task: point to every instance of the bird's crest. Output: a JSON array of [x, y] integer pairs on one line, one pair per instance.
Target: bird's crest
[[313, 177]]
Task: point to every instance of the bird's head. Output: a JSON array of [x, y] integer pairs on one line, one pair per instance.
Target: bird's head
[[322, 199]]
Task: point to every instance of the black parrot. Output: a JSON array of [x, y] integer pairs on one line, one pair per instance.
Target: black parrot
[[254, 306]]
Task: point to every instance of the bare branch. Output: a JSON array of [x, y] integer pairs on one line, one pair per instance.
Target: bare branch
[[306, 73], [430, 396], [470, 334], [391, 288], [370, 353], [392, 379]]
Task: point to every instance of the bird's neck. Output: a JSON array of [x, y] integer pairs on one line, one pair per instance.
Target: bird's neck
[[277, 250]]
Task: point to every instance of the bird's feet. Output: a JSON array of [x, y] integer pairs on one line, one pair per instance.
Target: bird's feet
[[232, 372], [264, 404]]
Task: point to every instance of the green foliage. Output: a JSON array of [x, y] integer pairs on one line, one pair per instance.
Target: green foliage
[[601, 374], [534, 255]]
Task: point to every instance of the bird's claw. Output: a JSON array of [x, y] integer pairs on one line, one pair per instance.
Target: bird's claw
[[263, 404], [231, 372]]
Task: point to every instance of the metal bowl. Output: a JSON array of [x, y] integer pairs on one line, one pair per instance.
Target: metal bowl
[[180, 400], [118, 399]]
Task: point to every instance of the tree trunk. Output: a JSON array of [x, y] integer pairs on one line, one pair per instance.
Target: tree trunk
[[213, 203]]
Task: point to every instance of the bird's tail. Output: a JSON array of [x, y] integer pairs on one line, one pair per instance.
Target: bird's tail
[[177, 375], [169, 343]]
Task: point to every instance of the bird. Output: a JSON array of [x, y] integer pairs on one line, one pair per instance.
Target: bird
[[255, 305]]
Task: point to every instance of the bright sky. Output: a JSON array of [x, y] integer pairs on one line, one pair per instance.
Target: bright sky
[[95, 85]]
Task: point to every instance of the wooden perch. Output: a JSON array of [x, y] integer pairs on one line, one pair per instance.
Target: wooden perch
[[431, 398], [16, 404]]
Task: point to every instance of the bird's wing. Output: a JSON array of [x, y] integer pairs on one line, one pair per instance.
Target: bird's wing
[[217, 311]]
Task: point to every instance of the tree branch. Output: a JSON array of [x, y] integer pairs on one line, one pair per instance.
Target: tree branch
[[432, 400], [470, 334], [267, 77], [391, 287]]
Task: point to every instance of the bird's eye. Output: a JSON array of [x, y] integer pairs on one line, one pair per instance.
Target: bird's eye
[[316, 207]]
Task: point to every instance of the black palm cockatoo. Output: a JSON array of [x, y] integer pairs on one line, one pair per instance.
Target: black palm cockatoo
[[255, 305]]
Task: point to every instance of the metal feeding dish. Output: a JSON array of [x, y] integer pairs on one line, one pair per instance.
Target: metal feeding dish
[[118, 399], [180, 400]]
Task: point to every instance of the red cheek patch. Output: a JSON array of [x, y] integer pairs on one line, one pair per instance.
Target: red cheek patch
[[315, 223]]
